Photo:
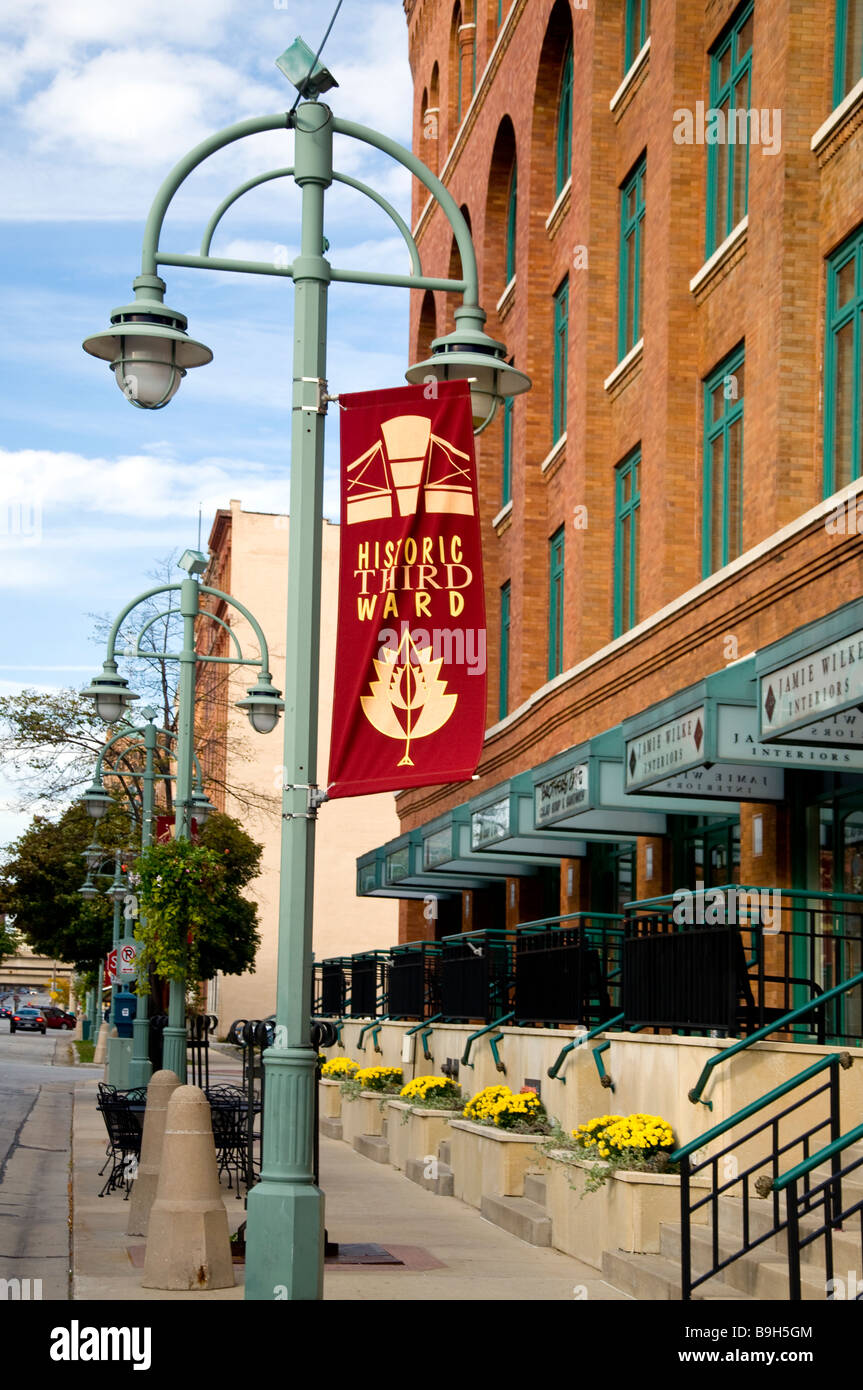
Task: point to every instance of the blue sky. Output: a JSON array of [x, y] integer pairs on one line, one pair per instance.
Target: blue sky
[[97, 102]]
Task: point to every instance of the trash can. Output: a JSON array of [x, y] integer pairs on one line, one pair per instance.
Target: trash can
[[125, 1009]]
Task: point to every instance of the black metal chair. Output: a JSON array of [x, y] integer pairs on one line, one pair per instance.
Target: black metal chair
[[229, 1107], [124, 1140]]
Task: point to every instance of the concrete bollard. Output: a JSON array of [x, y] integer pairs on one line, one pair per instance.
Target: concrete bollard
[[101, 1053], [159, 1091], [188, 1245]]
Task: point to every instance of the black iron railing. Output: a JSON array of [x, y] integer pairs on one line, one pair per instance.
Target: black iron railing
[[413, 980], [802, 1198], [716, 1231], [477, 972], [332, 987], [567, 969], [368, 984]]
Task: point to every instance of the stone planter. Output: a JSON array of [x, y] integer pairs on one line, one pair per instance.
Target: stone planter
[[626, 1213], [488, 1162], [415, 1132], [329, 1099], [365, 1115]]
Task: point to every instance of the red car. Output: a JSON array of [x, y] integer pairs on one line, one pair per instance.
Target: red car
[[58, 1018]]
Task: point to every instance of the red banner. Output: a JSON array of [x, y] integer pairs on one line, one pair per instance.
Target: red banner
[[410, 683]]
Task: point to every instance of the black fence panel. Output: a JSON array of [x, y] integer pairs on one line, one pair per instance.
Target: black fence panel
[[567, 974], [331, 988], [477, 975], [677, 977], [413, 981], [368, 983]]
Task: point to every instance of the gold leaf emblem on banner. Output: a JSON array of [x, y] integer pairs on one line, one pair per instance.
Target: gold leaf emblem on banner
[[408, 457], [408, 700]]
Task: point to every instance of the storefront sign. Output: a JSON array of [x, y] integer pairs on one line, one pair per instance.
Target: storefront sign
[[663, 751], [489, 823], [737, 740], [410, 680], [816, 687], [725, 781], [562, 795]]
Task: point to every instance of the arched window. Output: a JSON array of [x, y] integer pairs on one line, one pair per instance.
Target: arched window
[[564, 124], [511, 220]]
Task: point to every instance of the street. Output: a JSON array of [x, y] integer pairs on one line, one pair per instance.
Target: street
[[35, 1150]]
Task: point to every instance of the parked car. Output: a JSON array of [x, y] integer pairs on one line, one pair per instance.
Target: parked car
[[5, 1013], [33, 1019], [58, 1018]]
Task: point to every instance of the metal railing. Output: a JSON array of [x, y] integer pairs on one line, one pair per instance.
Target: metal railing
[[413, 980], [477, 973], [825, 1196], [567, 969], [770, 1146]]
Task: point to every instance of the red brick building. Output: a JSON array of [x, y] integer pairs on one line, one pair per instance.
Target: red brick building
[[666, 202]]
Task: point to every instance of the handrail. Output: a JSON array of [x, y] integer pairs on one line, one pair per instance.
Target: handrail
[[422, 1024], [480, 1033], [571, 917], [577, 1042], [669, 899], [807, 1164], [375, 1026], [425, 1030], [767, 1029], [843, 1059]]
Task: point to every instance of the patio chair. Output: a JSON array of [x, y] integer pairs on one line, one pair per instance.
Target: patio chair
[[124, 1142], [229, 1110]]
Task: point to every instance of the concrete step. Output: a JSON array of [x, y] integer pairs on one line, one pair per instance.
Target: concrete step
[[535, 1188], [331, 1128], [431, 1174], [655, 1278], [373, 1146], [520, 1217]]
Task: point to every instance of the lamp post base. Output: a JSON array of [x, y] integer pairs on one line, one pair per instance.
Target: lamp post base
[[285, 1229], [174, 1052]]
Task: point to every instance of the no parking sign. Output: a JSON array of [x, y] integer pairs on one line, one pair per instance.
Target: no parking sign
[[127, 960]]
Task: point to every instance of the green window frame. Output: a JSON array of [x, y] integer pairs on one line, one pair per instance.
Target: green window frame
[[561, 358], [722, 515], [636, 32], [843, 366], [506, 453], [563, 162], [499, 13], [631, 268], [727, 161], [627, 501], [848, 48], [555, 602], [503, 689], [511, 222]]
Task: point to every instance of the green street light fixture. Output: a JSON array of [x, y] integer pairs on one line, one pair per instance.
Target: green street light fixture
[[97, 801], [93, 854], [147, 346], [284, 1235], [88, 890], [110, 693], [263, 704], [202, 806]]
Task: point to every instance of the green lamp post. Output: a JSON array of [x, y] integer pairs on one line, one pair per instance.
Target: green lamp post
[[97, 801], [284, 1235], [111, 696]]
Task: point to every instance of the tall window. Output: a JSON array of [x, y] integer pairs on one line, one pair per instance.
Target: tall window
[[626, 504], [637, 30], [511, 214], [506, 460], [459, 64], [503, 694], [555, 603], [564, 125], [561, 335], [843, 366], [629, 326], [728, 159], [848, 52], [723, 463]]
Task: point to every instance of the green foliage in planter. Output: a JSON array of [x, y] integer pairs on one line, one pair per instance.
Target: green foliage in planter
[[194, 920]]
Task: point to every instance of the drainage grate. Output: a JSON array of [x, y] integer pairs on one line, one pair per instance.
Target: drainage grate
[[362, 1255]]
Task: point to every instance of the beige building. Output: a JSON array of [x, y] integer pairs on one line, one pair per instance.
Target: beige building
[[249, 561]]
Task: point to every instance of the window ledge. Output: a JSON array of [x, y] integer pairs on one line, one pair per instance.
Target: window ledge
[[505, 514], [631, 82], [626, 369], [555, 454], [560, 209], [507, 299], [840, 124], [717, 265]]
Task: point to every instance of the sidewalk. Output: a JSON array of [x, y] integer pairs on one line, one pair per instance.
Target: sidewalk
[[449, 1253]]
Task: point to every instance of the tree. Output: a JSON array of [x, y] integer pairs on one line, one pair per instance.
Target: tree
[[194, 918], [39, 881], [8, 943]]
